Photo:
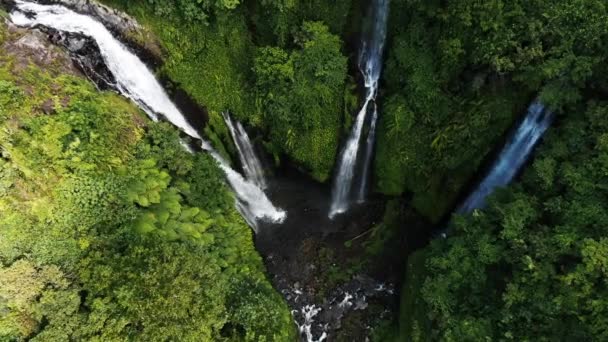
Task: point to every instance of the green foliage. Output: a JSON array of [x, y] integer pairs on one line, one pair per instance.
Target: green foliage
[[537, 255], [253, 302], [433, 136], [535, 41], [213, 62], [194, 11], [433, 152], [277, 20], [9, 94], [205, 178], [31, 294], [458, 74], [219, 136], [184, 303], [413, 321], [110, 230], [301, 97]]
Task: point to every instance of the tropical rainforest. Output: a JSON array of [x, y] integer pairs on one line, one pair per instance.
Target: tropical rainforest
[[111, 230]]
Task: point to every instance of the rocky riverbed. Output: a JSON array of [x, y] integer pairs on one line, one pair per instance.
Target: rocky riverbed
[[320, 266]]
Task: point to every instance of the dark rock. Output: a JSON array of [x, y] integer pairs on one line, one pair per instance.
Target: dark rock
[[32, 46], [48, 107], [76, 44], [85, 54], [123, 26]]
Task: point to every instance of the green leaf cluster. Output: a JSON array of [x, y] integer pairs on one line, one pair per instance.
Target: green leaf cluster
[[277, 20], [301, 97], [193, 11]]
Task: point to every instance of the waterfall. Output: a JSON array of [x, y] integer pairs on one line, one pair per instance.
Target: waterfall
[[369, 150], [252, 167], [512, 157], [135, 81], [346, 167], [370, 65]]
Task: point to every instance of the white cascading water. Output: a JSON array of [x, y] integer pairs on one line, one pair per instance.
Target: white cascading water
[[512, 157], [370, 64], [369, 151], [308, 313], [135, 81], [252, 167]]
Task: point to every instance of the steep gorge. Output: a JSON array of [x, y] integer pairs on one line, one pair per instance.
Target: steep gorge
[[444, 112]]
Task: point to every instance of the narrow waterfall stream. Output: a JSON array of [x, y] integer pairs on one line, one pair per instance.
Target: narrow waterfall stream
[[370, 65], [252, 167], [369, 151], [135, 81], [512, 157]]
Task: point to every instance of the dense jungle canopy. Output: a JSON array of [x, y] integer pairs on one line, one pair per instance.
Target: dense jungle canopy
[[110, 230]]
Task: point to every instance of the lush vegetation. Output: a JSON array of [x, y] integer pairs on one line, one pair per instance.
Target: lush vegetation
[[287, 51], [458, 73], [531, 266], [302, 97], [110, 230], [275, 21]]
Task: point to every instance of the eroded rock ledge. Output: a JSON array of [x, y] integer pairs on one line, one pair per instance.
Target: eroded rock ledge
[[109, 16], [122, 25], [27, 46]]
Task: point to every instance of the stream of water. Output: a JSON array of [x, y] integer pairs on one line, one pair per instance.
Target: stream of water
[[135, 81], [370, 65], [252, 167], [512, 157], [369, 151]]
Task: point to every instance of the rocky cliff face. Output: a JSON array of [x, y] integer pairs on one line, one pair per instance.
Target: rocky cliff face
[[82, 50], [56, 52], [26, 46], [124, 26], [110, 17]]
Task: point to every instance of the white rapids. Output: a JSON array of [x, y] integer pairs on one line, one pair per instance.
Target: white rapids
[[252, 167], [137, 82]]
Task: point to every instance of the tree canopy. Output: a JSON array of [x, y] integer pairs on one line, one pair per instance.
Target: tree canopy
[[301, 97], [459, 73], [532, 266]]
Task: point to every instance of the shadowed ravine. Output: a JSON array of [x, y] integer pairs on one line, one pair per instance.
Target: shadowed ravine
[[295, 258], [284, 246], [293, 246]]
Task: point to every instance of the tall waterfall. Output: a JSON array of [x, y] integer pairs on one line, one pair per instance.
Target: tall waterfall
[[512, 157], [252, 167], [370, 65], [135, 81], [369, 150]]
